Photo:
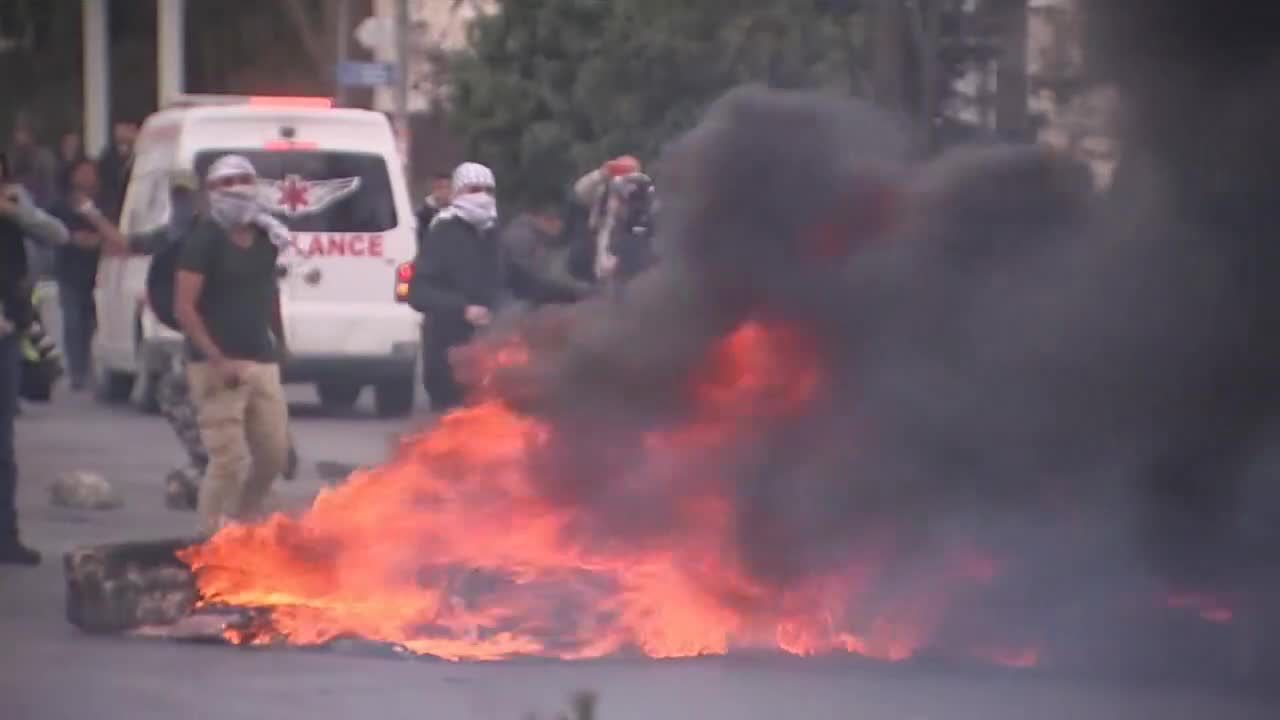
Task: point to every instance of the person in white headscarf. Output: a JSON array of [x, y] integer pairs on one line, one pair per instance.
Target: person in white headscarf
[[236, 200], [459, 277], [228, 304]]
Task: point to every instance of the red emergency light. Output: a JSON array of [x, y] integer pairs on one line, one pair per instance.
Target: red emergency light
[[286, 145], [291, 101]]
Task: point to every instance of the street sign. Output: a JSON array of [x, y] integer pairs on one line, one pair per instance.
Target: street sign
[[366, 74]]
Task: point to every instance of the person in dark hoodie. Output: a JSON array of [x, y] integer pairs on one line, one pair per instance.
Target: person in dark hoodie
[[459, 277], [537, 249], [20, 219]]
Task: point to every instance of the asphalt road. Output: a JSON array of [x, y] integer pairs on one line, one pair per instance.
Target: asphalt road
[[50, 671]]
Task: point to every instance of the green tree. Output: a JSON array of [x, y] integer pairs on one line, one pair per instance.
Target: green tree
[[550, 88]]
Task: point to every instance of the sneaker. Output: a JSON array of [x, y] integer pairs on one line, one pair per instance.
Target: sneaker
[[181, 489], [14, 552]]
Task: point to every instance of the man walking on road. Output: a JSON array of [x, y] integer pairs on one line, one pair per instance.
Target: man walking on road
[[459, 278], [228, 305], [19, 219]]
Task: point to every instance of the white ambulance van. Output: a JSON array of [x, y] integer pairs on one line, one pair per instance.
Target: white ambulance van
[[335, 177]]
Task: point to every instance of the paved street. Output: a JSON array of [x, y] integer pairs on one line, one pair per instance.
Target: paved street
[[53, 672]]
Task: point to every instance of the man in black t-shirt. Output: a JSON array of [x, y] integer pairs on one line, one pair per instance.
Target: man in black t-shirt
[[228, 305]]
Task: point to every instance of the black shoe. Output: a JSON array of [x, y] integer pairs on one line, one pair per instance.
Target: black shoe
[[14, 552]]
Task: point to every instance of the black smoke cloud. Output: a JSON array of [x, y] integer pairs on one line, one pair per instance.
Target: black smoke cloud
[[1087, 383]]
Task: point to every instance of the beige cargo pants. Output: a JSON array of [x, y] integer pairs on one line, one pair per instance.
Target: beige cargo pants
[[245, 430]]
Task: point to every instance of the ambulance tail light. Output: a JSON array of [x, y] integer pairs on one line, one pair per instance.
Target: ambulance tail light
[[404, 276]]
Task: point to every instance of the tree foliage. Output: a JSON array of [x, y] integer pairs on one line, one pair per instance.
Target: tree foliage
[[550, 88]]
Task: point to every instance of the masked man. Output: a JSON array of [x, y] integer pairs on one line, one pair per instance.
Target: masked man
[[459, 277], [228, 305]]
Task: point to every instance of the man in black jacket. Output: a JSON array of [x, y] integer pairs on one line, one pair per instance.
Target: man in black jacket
[[459, 277], [19, 219]]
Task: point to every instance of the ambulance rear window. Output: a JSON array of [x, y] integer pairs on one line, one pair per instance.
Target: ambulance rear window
[[320, 191]]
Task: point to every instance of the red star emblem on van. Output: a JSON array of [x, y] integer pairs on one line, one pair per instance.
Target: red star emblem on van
[[293, 193]]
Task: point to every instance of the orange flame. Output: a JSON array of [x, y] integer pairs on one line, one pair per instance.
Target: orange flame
[[451, 550]]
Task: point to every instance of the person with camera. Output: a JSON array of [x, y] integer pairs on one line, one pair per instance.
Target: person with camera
[[20, 219], [596, 191]]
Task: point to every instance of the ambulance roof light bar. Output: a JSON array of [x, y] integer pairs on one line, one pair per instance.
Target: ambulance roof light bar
[[209, 99]]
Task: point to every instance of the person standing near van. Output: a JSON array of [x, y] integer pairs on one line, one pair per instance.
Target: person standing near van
[[228, 306], [435, 201], [458, 278], [115, 165], [77, 266], [20, 219]]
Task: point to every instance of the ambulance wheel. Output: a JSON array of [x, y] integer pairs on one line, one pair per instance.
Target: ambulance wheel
[[338, 396], [394, 398]]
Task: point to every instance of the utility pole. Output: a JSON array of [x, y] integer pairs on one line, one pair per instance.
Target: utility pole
[[97, 75], [926, 28], [889, 53], [171, 60], [344, 50], [1012, 116], [402, 85]]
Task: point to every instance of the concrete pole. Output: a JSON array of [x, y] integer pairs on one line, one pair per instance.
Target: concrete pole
[[344, 50], [171, 56], [97, 75], [1012, 116], [402, 85]]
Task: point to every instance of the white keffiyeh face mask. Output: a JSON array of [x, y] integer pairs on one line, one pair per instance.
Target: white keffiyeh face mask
[[479, 209], [232, 207], [235, 206]]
